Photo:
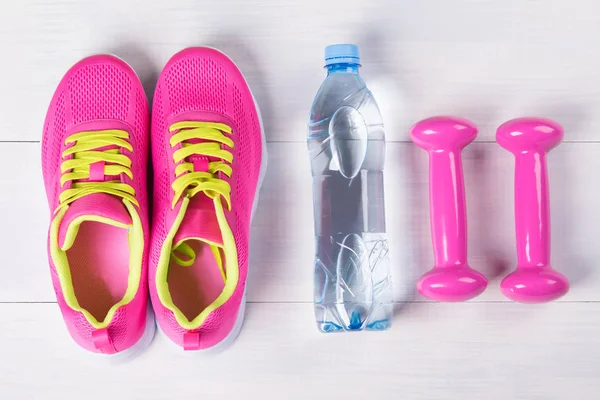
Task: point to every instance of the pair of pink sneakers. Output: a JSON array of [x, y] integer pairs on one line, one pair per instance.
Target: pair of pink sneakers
[[105, 253]]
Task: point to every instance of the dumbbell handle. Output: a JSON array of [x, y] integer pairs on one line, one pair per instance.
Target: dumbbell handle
[[447, 207], [532, 209]]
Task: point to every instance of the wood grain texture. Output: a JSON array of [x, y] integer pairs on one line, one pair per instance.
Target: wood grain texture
[[435, 351], [487, 60], [484, 60]]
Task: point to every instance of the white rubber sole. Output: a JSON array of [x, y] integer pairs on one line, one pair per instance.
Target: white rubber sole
[[237, 327], [239, 321]]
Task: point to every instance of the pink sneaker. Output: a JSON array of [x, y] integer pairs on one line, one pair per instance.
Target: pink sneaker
[[94, 155], [209, 159]]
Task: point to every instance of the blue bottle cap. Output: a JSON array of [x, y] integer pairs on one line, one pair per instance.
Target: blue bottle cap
[[341, 53]]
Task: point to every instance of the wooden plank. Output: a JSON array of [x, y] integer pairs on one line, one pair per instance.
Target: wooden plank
[[434, 351], [282, 235], [503, 60]]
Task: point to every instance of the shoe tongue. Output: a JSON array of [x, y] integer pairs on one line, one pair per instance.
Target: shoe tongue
[[99, 207], [199, 222]]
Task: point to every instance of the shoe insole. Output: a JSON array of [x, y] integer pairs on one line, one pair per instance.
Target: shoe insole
[[99, 264], [195, 287]]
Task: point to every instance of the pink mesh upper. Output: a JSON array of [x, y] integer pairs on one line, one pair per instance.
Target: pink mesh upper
[[195, 84], [100, 92], [203, 84]]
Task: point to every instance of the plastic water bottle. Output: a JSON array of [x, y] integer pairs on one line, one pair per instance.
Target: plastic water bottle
[[346, 144]]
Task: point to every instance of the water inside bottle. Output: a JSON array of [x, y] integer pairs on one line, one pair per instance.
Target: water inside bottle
[[347, 150]]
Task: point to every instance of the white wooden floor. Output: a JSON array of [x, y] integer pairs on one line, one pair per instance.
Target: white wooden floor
[[487, 60]]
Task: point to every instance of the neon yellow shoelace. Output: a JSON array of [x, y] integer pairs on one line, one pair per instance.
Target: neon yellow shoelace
[[85, 153], [190, 182]]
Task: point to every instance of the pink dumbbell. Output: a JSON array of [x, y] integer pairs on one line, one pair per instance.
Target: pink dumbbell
[[534, 281], [451, 278]]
